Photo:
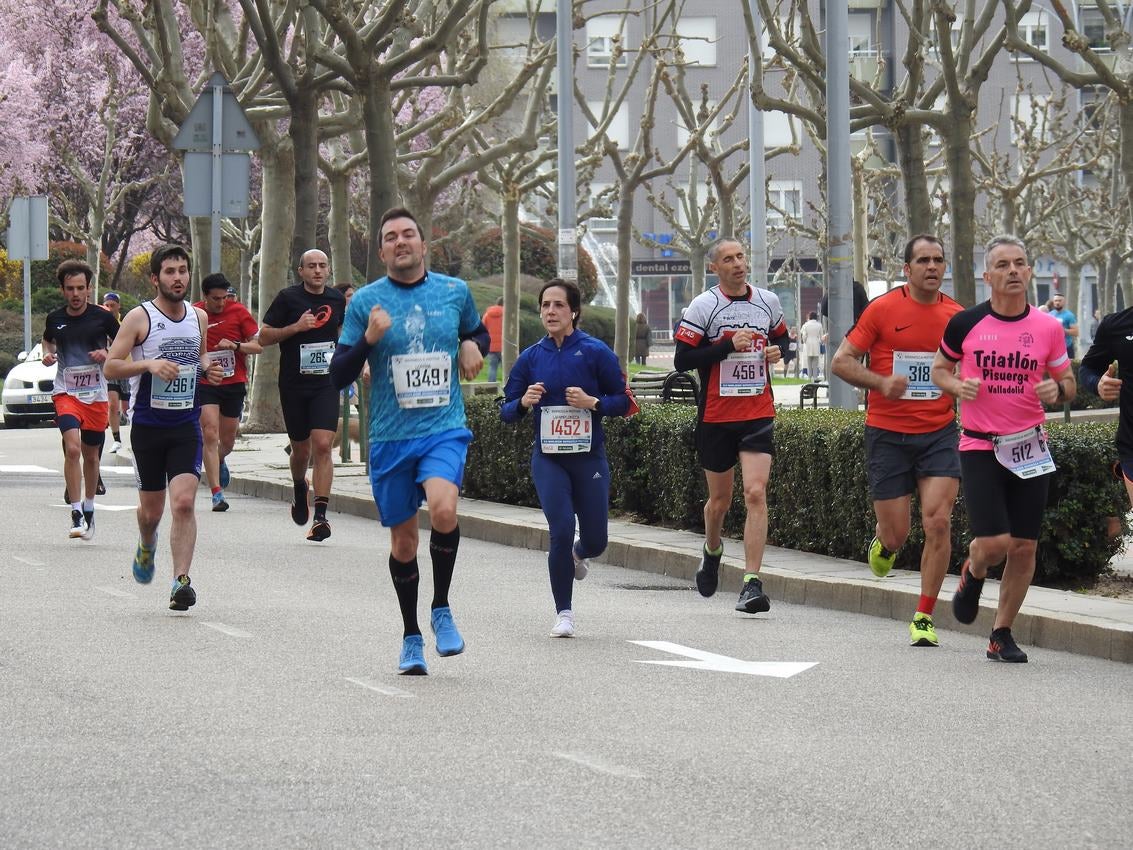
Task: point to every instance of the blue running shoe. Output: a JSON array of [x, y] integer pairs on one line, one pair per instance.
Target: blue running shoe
[[182, 597], [143, 562], [412, 661], [225, 475], [218, 503], [449, 641]]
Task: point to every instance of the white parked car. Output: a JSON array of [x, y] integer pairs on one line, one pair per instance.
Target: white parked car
[[27, 390]]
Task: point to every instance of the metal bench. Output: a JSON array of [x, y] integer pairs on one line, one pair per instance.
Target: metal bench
[[809, 392], [670, 387]]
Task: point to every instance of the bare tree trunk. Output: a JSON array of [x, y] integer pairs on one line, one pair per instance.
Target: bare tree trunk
[[377, 117], [304, 132], [264, 415], [511, 249], [696, 264], [861, 223], [910, 151], [962, 194], [621, 297], [338, 224], [200, 231]]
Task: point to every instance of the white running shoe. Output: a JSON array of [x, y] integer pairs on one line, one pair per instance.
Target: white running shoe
[[564, 625], [115, 446], [581, 565]]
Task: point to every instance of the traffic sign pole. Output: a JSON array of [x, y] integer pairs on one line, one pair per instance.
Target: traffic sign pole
[[217, 153], [27, 241]]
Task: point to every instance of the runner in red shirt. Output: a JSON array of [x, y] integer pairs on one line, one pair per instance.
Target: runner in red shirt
[[910, 424], [731, 334], [232, 335]]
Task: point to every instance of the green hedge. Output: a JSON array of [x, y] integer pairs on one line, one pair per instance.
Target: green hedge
[[818, 500]]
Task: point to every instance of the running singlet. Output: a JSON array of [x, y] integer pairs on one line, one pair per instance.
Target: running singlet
[[415, 388], [902, 336], [737, 388], [1008, 356], [234, 322], [304, 358], [75, 337], [154, 401]]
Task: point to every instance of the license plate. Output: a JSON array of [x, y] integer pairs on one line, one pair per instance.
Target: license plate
[[40, 398]]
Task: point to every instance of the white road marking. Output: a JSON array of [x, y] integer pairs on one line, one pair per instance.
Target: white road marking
[[27, 468], [599, 765], [99, 506], [227, 630], [113, 591], [119, 470], [386, 690], [722, 663], [27, 561]]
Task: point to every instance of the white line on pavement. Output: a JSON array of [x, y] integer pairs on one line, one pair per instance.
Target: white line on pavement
[[387, 690], [113, 591], [27, 468], [599, 765], [227, 630], [27, 561], [702, 660]]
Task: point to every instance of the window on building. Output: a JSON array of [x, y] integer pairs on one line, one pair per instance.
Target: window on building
[[618, 129], [1093, 100], [600, 194], [777, 127], [601, 33], [784, 200], [861, 29], [695, 197], [1091, 24], [698, 40], [1030, 119], [1034, 28]]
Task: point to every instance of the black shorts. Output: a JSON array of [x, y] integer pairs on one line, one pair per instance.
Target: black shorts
[[718, 444], [306, 410], [229, 397], [161, 454], [894, 461], [121, 387], [1000, 502]]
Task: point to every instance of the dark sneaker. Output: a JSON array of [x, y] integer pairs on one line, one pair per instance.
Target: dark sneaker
[[966, 600], [182, 597], [320, 531], [218, 503], [449, 641], [412, 660], [225, 475], [88, 518], [1002, 647], [100, 490], [77, 527], [708, 575], [752, 598], [300, 510]]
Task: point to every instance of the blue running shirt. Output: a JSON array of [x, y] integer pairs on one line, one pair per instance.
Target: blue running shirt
[[428, 318]]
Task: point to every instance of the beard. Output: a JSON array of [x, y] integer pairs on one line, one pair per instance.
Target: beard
[[167, 292]]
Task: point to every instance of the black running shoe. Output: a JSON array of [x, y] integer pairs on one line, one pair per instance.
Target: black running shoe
[[966, 600], [1002, 647], [88, 518], [320, 530], [100, 490], [182, 597], [300, 510], [708, 576], [752, 598]]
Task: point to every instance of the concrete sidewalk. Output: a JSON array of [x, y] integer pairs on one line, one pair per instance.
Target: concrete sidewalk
[[1054, 619]]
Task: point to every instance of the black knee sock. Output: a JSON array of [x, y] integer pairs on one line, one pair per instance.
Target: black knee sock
[[321, 503], [442, 550], [405, 580]]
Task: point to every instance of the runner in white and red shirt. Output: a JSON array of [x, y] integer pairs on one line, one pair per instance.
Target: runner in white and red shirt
[[731, 334], [1012, 360]]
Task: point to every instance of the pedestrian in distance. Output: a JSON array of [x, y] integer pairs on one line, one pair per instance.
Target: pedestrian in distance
[[76, 338], [161, 349], [1004, 361], [232, 336], [304, 320], [910, 434], [117, 392], [493, 320], [731, 334], [810, 335], [418, 330], [642, 337], [570, 380]]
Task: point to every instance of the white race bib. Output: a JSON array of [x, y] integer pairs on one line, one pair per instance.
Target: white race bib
[[743, 373], [917, 367], [226, 359], [176, 394], [1027, 454], [564, 429], [83, 382], [422, 380], [314, 358]]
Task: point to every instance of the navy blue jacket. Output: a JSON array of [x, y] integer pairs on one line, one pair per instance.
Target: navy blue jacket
[[583, 361]]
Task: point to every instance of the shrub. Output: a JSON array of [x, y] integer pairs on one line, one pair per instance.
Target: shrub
[[596, 321], [818, 500], [538, 257]]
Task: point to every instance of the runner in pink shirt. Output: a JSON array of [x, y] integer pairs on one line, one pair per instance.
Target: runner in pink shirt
[[1012, 360]]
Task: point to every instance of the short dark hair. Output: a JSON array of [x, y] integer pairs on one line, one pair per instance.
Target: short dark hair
[[70, 268], [398, 212], [813, 315], [342, 287], [921, 237], [214, 281], [573, 296], [168, 252]]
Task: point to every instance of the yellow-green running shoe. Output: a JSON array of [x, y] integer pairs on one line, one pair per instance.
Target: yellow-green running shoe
[[921, 632], [880, 559], [144, 562]]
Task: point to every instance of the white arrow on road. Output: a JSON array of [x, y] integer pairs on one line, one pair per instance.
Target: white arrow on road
[[722, 663]]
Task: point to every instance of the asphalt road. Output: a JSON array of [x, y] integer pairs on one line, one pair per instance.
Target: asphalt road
[[271, 715]]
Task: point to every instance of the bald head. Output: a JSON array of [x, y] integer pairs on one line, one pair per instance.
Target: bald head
[[314, 269]]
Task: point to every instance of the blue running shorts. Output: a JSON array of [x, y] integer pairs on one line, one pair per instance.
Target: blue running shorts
[[398, 469]]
